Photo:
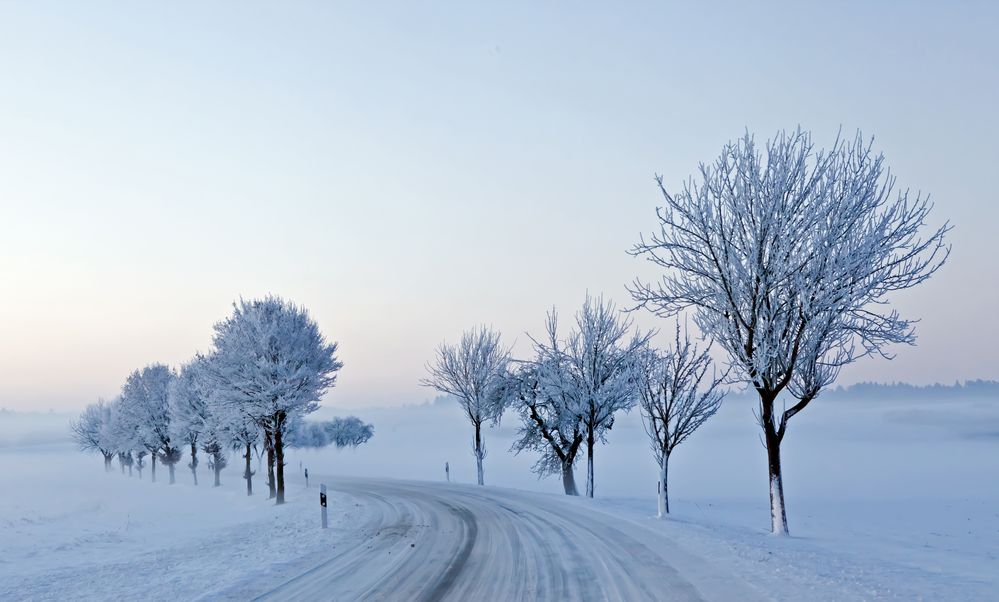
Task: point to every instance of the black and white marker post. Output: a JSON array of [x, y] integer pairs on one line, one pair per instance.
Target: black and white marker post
[[322, 502]]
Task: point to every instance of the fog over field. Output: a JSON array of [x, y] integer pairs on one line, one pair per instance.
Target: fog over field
[[887, 498]]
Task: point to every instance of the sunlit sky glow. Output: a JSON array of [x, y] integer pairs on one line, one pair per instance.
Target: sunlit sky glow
[[408, 171]]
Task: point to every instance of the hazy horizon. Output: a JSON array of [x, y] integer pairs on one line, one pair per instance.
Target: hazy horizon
[[408, 173]]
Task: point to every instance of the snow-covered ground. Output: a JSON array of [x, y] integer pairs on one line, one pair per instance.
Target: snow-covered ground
[[885, 500], [72, 531]]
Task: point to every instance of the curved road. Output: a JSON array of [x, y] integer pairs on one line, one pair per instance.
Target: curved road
[[436, 541]]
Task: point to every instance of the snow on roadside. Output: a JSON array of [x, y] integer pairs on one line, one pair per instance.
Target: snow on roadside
[[91, 535], [869, 551]]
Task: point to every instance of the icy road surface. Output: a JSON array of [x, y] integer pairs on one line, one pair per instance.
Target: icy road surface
[[439, 541]]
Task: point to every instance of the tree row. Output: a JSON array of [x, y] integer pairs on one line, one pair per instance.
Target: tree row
[[784, 256], [268, 368]]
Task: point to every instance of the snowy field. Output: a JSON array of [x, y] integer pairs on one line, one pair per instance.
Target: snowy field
[[886, 499]]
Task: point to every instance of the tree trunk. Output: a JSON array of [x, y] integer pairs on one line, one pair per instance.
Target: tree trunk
[[589, 462], [663, 489], [247, 473], [129, 470], [479, 454], [279, 457], [154, 466], [778, 516], [269, 445], [170, 468], [194, 463], [218, 475], [271, 486], [569, 479]]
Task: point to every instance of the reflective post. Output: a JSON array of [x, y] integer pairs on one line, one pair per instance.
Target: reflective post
[[322, 502]]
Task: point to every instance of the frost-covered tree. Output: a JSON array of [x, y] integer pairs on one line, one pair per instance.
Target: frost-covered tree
[[125, 460], [218, 426], [268, 448], [676, 398], [272, 362], [469, 371], [214, 439], [602, 370], [550, 418], [225, 425], [92, 431], [217, 458], [349, 432], [140, 460], [145, 401], [787, 257], [242, 432], [126, 438], [120, 436], [339, 432], [189, 411]]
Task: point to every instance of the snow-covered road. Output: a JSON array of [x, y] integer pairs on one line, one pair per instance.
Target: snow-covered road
[[434, 541]]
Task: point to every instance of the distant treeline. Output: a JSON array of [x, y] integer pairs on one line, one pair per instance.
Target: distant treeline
[[969, 389]]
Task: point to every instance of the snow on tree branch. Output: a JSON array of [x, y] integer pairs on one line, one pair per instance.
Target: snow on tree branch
[[676, 400], [469, 371], [271, 364], [551, 422], [786, 256]]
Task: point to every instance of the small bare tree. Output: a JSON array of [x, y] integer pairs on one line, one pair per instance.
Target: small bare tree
[[91, 432], [676, 400], [787, 256], [469, 371], [602, 369]]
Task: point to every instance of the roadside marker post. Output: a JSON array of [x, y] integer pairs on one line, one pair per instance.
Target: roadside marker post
[[322, 502]]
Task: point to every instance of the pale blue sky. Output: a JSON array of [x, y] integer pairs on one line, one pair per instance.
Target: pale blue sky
[[406, 171]]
